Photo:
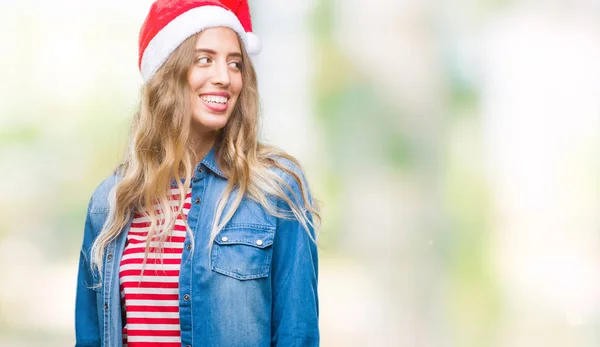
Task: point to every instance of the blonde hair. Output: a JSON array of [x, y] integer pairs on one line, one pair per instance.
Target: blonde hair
[[159, 152]]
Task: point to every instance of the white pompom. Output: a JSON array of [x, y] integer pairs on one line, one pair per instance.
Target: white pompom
[[254, 45]]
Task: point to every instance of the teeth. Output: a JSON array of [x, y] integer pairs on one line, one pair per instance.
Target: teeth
[[214, 99]]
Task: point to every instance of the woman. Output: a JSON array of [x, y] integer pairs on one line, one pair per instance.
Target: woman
[[203, 236]]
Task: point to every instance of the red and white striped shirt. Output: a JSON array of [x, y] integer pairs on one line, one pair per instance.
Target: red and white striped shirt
[[151, 301]]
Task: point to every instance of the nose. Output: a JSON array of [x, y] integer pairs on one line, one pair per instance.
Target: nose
[[221, 74]]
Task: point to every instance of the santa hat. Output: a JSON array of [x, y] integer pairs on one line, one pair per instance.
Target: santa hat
[[170, 22]]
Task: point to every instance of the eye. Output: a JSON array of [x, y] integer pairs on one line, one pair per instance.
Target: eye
[[236, 64], [203, 60]]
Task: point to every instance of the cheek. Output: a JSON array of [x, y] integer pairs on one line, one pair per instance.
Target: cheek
[[237, 86], [193, 99], [196, 79], [192, 93]]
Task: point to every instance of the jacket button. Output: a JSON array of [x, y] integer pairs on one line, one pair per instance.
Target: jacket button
[[197, 200], [188, 246], [186, 297], [259, 242], [106, 306], [109, 256], [200, 169], [224, 238]]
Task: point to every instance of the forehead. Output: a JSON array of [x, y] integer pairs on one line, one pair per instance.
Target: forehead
[[218, 38]]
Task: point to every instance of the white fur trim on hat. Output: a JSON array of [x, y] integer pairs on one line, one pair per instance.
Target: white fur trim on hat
[[184, 26], [254, 45]]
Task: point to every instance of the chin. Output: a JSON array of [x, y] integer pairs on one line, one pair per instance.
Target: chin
[[208, 124]]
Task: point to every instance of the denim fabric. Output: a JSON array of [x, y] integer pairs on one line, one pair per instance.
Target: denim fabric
[[257, 288]]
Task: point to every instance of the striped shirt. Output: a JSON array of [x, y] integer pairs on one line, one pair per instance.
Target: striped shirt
[[151, 302]]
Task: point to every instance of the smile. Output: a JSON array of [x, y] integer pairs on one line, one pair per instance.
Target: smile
[[215, 103], [214, 99]]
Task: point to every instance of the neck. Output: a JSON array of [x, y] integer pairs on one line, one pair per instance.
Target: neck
[[201, 145]]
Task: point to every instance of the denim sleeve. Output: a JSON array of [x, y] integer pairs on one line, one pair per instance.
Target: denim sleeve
[[294, 273], [87, 332]]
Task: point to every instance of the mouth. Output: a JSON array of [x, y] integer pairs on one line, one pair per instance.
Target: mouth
[[215, 103]]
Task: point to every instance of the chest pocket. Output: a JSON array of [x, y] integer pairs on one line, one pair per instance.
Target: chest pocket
[[243, 251]]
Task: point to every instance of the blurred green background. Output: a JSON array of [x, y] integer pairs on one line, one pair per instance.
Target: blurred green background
[[454, 145]]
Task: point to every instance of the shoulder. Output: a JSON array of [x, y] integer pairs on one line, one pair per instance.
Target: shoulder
[[99, 201], [286, 167], [290, 171], [282, 164], [292, 175]]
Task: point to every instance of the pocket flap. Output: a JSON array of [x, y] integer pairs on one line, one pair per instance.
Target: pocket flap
[[259, 236]]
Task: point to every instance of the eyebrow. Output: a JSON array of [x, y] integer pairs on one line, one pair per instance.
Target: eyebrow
[[210, 51]]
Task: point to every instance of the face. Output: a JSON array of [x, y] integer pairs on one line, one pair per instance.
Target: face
[[215, 79]]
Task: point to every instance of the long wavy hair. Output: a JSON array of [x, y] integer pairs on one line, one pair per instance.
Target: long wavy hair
[[160, 151]]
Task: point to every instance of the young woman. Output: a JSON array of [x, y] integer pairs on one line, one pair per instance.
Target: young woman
[[203, 236]]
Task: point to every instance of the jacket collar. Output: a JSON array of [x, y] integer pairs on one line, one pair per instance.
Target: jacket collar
[[210, 161]]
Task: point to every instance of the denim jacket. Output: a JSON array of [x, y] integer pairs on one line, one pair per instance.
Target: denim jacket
[[247, 293]]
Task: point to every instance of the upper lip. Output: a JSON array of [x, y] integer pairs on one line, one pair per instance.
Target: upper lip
[[225, 94]]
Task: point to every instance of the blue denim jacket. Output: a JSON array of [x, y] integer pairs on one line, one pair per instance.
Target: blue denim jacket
[[246, 294]]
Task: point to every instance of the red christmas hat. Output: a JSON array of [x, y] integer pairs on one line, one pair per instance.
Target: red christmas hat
[[170, 22]]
